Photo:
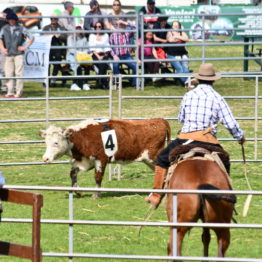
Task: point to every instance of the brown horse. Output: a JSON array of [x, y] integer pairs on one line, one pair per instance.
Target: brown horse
[[201, 174]]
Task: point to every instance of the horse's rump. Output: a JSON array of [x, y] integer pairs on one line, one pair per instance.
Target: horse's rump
[[183, 149], [201, 174]]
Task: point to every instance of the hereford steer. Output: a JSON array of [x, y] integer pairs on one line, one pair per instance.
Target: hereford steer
[[93, 144]]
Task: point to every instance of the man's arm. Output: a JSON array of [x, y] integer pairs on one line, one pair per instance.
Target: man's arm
[[228, 120]]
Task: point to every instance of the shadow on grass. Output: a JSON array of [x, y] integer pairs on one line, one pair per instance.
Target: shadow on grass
[[105, 195]]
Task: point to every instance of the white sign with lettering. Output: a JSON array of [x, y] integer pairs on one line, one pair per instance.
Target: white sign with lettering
[[36, 58]]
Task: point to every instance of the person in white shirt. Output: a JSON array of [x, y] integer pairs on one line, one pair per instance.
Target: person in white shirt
[[100, 48], [200, 110], [78, 44]]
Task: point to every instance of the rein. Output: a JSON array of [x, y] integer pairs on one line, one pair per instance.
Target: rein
[[249, 197]]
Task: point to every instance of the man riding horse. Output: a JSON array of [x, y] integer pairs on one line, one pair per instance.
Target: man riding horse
[[200, 110]]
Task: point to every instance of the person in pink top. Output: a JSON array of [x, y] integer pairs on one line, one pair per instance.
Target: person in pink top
[[149, 53]]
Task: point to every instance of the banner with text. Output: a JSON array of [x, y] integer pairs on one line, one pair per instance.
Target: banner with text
[[221, 23], [36, 59]]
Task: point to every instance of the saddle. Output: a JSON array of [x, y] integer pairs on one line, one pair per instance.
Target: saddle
[[199, 149]]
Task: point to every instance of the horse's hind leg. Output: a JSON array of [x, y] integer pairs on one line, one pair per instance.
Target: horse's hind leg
[[180, 236], [206, 240], [223, 240]]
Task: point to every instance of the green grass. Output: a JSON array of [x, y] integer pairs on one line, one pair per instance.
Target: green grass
[[122, 206]]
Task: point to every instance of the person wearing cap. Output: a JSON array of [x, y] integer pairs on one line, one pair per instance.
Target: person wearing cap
[[200, 110], [58, 39], [13, 44], [90, 21], [3, 22], [67, 19], [150, 9]]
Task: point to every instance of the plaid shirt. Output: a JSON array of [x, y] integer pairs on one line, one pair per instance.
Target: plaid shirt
[[120, 39], [203, 107]]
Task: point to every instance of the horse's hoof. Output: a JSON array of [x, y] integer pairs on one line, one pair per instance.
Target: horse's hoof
[[79, 194]]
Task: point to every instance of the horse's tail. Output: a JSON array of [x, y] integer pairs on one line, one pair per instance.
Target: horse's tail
[[227, 197]]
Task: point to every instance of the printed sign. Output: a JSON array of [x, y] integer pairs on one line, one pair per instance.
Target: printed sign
[[109, 142], [36, 58], [214, 22]]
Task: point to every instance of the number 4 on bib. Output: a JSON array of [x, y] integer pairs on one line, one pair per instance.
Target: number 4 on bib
[[109, 142]]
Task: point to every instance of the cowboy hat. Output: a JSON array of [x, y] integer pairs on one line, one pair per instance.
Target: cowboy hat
[[207, 72]]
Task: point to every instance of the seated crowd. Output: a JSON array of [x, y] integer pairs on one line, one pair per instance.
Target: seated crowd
[[103, 50]]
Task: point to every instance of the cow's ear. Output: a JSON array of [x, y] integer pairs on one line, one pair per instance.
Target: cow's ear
[[42, 133], [67, 132]]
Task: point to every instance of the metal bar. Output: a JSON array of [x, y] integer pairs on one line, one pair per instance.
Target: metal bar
[[133, 190], [174, 229], [256, 121], [151, 258], [70, 228], [68, 162], [130, 223]]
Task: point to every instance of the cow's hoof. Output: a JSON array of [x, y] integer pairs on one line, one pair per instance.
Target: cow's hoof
[[96, 196], [79, 194]]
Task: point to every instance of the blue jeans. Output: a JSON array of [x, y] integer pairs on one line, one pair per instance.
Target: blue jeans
[[180, 66], [131, 65]]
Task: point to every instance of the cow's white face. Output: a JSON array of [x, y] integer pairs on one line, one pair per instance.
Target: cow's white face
[[56, 142]]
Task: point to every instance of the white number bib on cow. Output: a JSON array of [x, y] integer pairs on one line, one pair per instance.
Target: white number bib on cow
[[109, 142]]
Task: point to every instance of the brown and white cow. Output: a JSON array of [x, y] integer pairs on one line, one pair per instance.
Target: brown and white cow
[[137, 140]]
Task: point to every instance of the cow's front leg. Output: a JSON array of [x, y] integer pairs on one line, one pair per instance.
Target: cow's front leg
[[73, 175], [99, 173]]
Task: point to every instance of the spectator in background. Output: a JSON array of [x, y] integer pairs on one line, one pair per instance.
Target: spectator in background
[[160, 38], [80, 44], [57, 40], [3, 15], [67, 20], [150, 9], [116, 12], [150, 53], [89, 22], [13, 45], [100, 48], [179, 53], [122, 52], [3, 22]]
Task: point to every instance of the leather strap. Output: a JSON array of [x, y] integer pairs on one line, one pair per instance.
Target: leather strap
[[200, 135]]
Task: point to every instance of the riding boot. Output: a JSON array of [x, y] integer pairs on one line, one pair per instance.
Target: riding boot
[[160, 175]]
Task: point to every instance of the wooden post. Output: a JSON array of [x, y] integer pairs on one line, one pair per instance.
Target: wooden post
[[34, 252]]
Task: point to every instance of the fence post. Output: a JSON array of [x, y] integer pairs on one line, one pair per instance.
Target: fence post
[[174, 229], [70, 229]]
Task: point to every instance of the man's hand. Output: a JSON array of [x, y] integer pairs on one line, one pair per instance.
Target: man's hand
[[21, 48], [4, 51], [242, 140], [116, 58]]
